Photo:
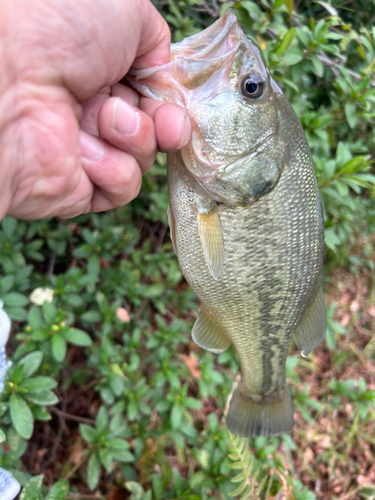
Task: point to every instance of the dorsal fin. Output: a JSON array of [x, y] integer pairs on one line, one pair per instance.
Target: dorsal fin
[[311, 330], [208, 334], [211, 235]]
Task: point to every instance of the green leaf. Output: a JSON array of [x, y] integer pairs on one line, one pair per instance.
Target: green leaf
[[331, 240], [43, 398], [118, 444], [289, 6], [40, 413], [351, 114], [17, 375], [38, 384], [176, 416], [58, 347], [33, 490], [136, 490], [91, 316], [291, 59], [122, 455], [154, 290], [318, 65], [21, 416], [31, 362], [287, 40], [93, 266], [101, 419], [74, 300], [17, 313], [106, 459], [58, 490], [77, 337], [15, 299], [93, 471], [6, 284], [88, 433], [192, 403], [35, 318], [2, 436], [49, 312], [9, 226]]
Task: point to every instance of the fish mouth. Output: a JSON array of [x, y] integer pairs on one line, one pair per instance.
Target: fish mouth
[[220, 37]]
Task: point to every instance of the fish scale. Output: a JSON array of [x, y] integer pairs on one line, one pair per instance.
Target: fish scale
[[245, 216]]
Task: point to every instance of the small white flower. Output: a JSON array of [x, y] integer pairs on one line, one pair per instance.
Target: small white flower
[[41, 295]]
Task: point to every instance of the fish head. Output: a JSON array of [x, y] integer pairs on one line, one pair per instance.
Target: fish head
[[220, 76]]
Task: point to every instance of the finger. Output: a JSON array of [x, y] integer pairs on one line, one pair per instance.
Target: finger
[[116, 174], [126, 93], [90, 114], [129, 129], [92, 107], [172, 124], [155, 40]]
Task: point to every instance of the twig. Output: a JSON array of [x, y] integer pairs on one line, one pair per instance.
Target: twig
[[68, 416], [141, 308], [51, 264], [161, 238], [60, 432], [350, 494]]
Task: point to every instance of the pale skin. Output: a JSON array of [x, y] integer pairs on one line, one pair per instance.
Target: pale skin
[[72, 138]]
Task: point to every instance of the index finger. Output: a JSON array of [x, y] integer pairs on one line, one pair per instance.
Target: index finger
[[172, 123], [154, 43]]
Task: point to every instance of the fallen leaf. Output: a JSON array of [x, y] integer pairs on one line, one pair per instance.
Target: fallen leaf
[[354, 306], [123, 315], [192, 363], [345, 320]]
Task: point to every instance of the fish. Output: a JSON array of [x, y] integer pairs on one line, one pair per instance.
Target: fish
[[245, 216]]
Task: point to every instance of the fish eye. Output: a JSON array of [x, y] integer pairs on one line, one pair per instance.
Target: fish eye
[[252, 86]]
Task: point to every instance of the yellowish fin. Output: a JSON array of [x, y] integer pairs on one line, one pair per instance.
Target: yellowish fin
[[172, 228], [208, 334], [211, 236], [311, 330], [248, 418]]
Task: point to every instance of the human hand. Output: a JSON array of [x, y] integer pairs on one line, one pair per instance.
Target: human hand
[[72, 139]]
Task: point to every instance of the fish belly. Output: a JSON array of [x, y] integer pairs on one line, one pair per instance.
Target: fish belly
[[271, 274]]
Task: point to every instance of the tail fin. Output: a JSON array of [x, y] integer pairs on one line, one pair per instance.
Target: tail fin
[[250, 419]]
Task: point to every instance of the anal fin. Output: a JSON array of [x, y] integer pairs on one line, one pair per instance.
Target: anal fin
[[211, 236], [208, 334], [311, 330]]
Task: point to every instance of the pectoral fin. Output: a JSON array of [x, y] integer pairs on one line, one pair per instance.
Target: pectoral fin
[[172, 228], [208, 334], [311, 330], [211, 235]]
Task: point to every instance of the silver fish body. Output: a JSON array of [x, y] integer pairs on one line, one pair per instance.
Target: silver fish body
[[245, 216]]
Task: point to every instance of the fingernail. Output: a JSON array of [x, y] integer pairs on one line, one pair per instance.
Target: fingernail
[[125, 120], [186, 132], [92, 149]]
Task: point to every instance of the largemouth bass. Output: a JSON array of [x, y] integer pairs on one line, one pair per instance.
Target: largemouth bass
[[245, 216]]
